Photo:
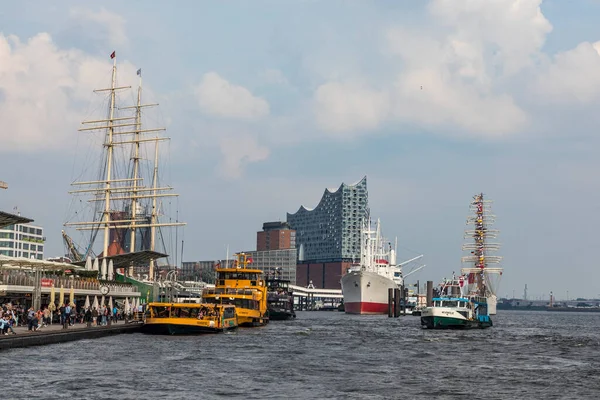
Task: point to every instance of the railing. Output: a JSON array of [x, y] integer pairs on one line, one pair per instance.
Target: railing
[[56, 281], [245, 292]]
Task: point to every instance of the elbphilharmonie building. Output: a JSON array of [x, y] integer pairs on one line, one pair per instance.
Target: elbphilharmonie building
[[328, 236]]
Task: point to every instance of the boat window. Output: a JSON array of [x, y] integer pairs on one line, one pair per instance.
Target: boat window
[[229, 312], [436, 304], [160, 312], [194, 312], [184, 312], [450, 303]]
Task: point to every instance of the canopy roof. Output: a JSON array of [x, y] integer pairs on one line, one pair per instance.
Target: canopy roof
[[22, 262], [125, 260], [7, 219]]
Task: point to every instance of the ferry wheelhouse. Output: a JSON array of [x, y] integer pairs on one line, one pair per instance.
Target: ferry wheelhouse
[[188, 318], [242, 287]]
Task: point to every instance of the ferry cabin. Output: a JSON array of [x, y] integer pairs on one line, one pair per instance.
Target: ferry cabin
[[456, 312], [188, 318], [244, 288]]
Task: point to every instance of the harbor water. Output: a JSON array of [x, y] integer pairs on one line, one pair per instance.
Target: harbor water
[[325, 355]]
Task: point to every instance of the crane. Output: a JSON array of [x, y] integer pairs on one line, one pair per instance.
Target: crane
[[71, 247]]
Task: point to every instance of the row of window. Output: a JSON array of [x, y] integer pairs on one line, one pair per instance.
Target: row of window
[[23, 246], [12, 253], [24, 229]]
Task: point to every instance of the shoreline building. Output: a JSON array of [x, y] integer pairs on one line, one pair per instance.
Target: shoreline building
[[22, 240], [275, 252], [328, 236]]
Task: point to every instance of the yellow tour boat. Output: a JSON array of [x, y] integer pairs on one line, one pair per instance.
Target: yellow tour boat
[[188, 318], [243, 287]]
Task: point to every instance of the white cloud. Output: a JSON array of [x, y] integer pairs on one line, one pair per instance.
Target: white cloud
[[237, 151], [45, 90], [112, 25], [573, 77], [513, 31], [216, 96], [39, 85], [341, 108], [454, 75]]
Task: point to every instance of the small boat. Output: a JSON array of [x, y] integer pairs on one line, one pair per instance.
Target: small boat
[[280, 301], [453, 310], [188, 318], [457, 313], [242, 287]]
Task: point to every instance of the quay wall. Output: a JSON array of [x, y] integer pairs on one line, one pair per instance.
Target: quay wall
[[61, 336]]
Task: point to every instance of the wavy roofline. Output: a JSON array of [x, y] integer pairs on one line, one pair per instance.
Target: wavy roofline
[[330, 191]]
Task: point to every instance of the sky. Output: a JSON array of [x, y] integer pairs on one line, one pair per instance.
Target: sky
[[267, 103]]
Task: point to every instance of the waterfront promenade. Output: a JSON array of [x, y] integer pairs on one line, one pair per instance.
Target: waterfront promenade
[[56, 334]]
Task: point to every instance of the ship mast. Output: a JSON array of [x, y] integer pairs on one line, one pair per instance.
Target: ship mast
[[103, 188], [136, 161], [127, 190], [154, 215], [109, 159], [480, 248]]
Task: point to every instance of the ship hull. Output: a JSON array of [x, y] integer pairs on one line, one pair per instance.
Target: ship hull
[[183, 328], [366, 292], [444, 318]]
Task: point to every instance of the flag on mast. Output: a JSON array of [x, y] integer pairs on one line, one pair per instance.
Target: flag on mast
[[139, 72], [112, 55]]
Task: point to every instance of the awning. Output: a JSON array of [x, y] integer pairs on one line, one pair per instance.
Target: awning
[[22, 262], [125, 260], [7, 219]]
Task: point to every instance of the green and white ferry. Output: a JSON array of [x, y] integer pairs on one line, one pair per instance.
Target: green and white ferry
[[450, 312]]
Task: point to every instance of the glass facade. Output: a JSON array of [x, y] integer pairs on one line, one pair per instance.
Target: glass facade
[[22, 240], [280, 263], [331, 231]]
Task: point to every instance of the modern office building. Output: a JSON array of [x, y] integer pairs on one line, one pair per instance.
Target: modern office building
[[275, 263], [275, 252], [202, 270], [22, 240], [328, 236]]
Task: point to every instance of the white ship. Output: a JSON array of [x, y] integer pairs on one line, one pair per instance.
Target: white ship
[[365, 286], [479, 276]]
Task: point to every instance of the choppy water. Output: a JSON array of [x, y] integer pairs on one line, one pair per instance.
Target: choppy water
[[325, 355]]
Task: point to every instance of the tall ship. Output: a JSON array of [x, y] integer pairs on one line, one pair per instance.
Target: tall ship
[[365, 285], [244, 287], [123, 198], [481, 278]]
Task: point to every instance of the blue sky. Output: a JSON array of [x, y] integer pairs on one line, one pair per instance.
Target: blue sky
[[433, 101]]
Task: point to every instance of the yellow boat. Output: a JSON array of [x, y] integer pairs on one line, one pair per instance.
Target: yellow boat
[[243, 287], [188, 318]]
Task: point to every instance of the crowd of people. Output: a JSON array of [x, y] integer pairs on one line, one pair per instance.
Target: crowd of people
[[66, 315]]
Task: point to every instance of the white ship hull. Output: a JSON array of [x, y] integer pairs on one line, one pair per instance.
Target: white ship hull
[[366, 292]]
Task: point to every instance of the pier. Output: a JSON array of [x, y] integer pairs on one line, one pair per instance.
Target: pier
[[312, 299], [56, 334]]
